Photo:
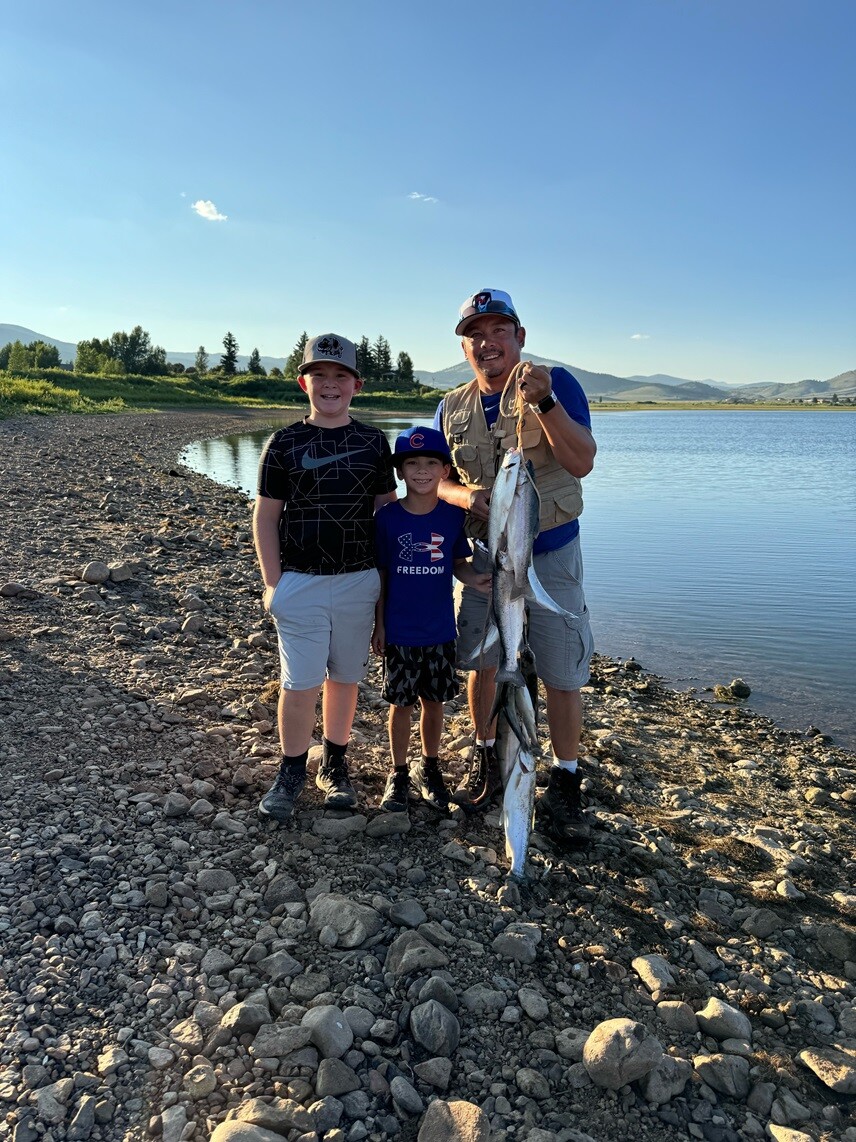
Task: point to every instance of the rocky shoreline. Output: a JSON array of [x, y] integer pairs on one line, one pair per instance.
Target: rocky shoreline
[[174, 968]]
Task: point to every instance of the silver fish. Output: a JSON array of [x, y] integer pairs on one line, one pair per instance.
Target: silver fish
[[512, 526], [517, 749]]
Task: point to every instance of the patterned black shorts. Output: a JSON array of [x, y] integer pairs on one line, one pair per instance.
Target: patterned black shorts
[[411, 672]]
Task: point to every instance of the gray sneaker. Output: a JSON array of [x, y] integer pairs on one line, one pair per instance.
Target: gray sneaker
[[397, 792], [279, 800], [429, 781], [333, 781]]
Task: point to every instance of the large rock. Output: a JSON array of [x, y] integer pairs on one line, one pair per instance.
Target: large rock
[[834, 1066], [352, 922], [234, 1131], [276, 1040], [456, 1121], [409, 952], [726, 1074], [667, 1079], [723, 1021], [435, 1028], [619, 1051], [328, 1030]]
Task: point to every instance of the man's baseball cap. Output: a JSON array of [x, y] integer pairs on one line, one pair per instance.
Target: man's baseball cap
[[330, 347], [419, 441], [486, 301]]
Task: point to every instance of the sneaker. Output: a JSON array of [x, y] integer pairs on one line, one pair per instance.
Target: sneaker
[[332, 779], [279, 800], [482, 781], [396, 793], [561, 810], [429, 781]]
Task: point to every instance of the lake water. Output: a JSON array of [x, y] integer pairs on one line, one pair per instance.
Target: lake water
[[716, 545]]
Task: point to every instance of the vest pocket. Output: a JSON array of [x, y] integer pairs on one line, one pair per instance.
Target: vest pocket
[[569, 506]]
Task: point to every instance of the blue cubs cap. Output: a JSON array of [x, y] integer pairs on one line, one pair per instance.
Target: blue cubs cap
[[486, 301], [419, 441]]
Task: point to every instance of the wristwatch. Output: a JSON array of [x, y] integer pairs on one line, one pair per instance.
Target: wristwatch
[[545, 404]]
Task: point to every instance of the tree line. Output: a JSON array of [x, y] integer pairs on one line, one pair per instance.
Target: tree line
[[133, 354]]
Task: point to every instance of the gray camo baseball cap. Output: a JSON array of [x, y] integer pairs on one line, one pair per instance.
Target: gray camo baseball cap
[[330, 347]]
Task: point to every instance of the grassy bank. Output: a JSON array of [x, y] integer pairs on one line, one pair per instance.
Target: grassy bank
[[57, 391]]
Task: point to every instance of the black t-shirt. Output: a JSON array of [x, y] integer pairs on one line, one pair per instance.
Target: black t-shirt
[[328, 478]]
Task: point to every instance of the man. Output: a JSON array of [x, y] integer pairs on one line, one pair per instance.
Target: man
[[479, 421]]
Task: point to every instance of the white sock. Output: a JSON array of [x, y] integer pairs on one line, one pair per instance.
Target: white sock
[[490, 741], [570, 766]]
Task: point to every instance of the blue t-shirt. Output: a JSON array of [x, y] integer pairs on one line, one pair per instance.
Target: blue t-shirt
[[570, 395], [418, 554]]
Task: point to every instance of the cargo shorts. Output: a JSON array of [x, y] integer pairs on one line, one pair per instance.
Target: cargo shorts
[[562, 646]]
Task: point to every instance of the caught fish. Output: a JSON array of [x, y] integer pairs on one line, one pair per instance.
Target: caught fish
[[518, 749], [515, 508]]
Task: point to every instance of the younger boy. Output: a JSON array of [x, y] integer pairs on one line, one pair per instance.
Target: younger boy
[[320, 482], [420, 545]]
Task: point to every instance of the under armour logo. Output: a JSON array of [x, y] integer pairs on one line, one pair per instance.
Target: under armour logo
[[407, 546]]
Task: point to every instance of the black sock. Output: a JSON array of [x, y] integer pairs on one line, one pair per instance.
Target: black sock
[[299, 760], [333, 754], [426, 760]]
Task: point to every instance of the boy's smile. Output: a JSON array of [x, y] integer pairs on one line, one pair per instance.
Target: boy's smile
[[330, 388], [422, 474]]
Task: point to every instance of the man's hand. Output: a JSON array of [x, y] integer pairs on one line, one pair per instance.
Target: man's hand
[[267, 598], [534, 383], [479, 503]]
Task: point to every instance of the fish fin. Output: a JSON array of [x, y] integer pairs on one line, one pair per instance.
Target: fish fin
[[485, 644], [537, 594], [515, 677]]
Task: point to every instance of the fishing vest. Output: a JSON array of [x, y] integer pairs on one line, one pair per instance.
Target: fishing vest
[[477, 453]]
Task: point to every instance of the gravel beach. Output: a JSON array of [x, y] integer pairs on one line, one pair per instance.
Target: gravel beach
[[174, 968]]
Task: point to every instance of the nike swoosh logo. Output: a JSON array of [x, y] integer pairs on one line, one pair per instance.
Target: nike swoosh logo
[[309, 462]]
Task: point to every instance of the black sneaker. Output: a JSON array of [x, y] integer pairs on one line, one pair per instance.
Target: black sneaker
[[332, 779], [396, 794], [560, 808], [429, 781], [482, 781], [279, 800]]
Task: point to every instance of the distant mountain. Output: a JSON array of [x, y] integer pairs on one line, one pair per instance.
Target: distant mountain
[[661, 386], [8, 333], [599, 386], [595, 384]]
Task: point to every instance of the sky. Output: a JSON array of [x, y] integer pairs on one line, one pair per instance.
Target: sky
[[663, 186]]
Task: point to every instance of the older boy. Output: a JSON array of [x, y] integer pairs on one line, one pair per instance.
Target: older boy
[[320, 482], [420, 545]]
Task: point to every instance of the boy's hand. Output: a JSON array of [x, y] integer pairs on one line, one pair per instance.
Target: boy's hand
[[483, 582], [378, 643], [267, 597]]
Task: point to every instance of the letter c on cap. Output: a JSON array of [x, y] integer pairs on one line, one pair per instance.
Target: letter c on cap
[[417, 440]]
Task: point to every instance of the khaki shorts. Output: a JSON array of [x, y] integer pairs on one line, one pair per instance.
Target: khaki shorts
[[562, 647], [324, 626]]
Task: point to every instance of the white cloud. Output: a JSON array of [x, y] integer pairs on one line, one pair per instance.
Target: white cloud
[[417, 197], [207, 210], [640, 336]]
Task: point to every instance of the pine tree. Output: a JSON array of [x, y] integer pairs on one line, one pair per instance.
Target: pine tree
[[229, 359], [295, 358], [382, 358], [255, 365], [404, 378], [365, 359], [201, 362]]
